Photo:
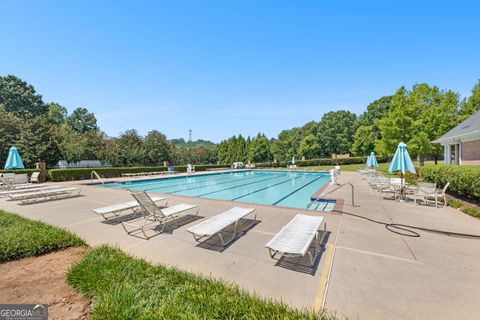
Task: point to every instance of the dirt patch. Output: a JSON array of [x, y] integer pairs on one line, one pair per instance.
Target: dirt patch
[[42, 280]]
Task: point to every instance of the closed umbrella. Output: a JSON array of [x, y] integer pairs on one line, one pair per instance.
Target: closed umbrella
[[293, 159], [372, 160], [401, 161], [14, 161]]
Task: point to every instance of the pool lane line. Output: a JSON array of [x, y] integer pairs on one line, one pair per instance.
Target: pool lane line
[[165, 181], [241, 185], [196, 182], [216, 184], [153, 187], [265, 188], [288, 195]]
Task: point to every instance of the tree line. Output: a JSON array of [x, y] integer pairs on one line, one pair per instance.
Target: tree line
[[46, 132], [416, 116]]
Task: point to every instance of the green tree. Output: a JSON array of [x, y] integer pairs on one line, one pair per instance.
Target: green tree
[[81, 121], [309, 147], [472, 104], [336, 131], [38, 142], [222, 152], [259, 149], [157, 148], [375, 110], [130, 149], [56, 114], [232, 150], [20, 98], [364, 141], [241, 150], [10, 127], [417, 118]]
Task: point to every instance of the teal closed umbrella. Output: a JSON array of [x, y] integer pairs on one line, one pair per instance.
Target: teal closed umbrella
[[401, 161], [14, 161], [372, 160], [293, 159]]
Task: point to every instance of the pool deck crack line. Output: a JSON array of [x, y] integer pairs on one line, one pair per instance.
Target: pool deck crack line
[[381, 255]]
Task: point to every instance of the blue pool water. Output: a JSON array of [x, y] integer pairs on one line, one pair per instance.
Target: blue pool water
[[278, 188]]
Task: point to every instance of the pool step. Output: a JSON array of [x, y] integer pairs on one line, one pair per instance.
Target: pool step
[[321, 205]]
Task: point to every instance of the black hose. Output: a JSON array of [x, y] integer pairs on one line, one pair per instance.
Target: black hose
[[406, 230]]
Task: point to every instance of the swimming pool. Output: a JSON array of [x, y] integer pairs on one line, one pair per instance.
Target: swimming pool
[[278, 188]]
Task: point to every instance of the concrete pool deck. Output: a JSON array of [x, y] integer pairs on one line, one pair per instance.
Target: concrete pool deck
[[365, 271]]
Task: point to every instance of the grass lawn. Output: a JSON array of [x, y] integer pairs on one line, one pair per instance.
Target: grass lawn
[[20, 237], [124, 287]]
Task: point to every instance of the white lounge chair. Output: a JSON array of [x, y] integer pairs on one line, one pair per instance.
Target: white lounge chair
[[113, 211], [295, 238], [33, 188], [216, 224], [190, 168], [152, 214], [51, 194]]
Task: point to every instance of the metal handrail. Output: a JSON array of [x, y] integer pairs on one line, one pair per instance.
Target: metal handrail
[[94, 173], [339, 185]]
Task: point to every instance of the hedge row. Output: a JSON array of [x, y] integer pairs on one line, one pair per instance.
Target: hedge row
[[464, 180], [321, 162], [113, 172]]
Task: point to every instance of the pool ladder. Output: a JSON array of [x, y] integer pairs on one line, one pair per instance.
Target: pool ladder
[[94, 174], [338, 186]]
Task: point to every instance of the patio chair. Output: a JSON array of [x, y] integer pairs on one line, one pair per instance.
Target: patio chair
[[152, 214], [217, 224], [295, 238], [190, 168], [376, 181], [114, 210], [429, 192], [34, 178], [45, 195], [390, 188]]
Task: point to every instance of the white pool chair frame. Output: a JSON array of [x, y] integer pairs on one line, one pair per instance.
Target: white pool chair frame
[[205, 237], [33, 188], [46, 195], [115, 210], [316, 239], [154, 214]]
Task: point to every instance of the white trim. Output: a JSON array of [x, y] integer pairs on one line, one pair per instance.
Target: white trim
[[469, 136], [460, 153]]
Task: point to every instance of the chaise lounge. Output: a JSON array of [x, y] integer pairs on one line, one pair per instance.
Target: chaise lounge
[[295, 238], [153, 214], [216, 224], [114, 211]]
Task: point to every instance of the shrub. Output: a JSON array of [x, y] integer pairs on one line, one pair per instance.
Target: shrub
[[84, 173], [471, 211], [455, 203], [464, 180]]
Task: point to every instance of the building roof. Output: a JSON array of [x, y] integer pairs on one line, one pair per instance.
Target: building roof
[[466, 131]]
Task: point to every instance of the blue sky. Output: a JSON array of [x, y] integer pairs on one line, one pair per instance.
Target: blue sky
[[227, 67]]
